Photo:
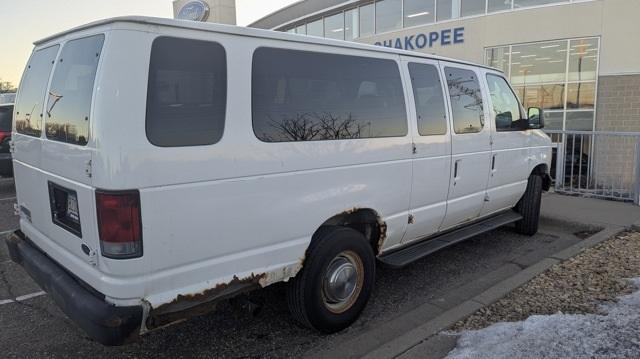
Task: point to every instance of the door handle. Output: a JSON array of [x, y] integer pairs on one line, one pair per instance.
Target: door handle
[[456, 167], [493, 163]]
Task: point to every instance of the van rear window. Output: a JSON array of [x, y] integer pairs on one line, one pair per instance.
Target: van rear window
[[187, 92], [313, 96], [30, 106], [71, 91]]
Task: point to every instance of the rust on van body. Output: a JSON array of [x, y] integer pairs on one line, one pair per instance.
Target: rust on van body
[[382, 226], [186, 306]]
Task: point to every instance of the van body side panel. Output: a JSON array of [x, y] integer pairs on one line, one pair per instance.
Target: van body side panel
[[539, 150], [240, 206], [471, 152], [32, 188], [432, 157], [509, 158], [514, 155]]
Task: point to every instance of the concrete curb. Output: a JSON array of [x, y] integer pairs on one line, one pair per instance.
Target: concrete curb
[[419, 335]]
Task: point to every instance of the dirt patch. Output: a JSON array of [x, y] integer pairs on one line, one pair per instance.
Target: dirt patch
[[575, 286]]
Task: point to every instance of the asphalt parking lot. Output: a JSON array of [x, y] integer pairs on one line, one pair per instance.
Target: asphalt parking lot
[[32, 326]]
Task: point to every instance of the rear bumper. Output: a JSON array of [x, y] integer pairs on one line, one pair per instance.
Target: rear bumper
[[103, 322]]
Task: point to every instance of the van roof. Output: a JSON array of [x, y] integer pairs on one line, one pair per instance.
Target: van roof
[[251, 32]]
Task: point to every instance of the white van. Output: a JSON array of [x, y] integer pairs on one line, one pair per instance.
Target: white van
[[162, 166]]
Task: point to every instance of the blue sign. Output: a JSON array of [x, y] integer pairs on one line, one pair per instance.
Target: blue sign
[[444, 37], [194, 10]]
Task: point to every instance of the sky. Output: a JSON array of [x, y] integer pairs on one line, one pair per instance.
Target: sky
[[25, 21]]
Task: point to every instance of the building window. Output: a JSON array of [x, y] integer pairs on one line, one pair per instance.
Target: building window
[[498, 5], [498, 57], [581, 95], [313, 96], [419, 12], [351, 24], [447, 9], [302, 29], [583, 59], [579, 121], [334, 27], [527, 3], [545, 96], [558, 76], [315, 28], [539, 63], [472, 7], [388, 15], [367, 20]]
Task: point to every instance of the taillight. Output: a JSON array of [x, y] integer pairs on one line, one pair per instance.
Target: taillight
[[4, 134], [119, 224]]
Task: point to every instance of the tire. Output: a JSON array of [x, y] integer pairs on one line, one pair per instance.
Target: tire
[[308, 294], [529, 207]]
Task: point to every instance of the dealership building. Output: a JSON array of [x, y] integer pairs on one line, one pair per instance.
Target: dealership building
[[577, 59]]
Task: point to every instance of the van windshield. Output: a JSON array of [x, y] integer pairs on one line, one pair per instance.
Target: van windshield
[[6, 116]]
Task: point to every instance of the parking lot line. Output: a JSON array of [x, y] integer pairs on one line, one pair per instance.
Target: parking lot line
[[8, 198], [22, 298]]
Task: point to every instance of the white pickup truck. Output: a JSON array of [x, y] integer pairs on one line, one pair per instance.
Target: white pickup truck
[[162, 166]]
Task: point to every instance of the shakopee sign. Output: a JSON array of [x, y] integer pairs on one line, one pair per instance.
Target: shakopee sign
[[194, 10], [426, 40]]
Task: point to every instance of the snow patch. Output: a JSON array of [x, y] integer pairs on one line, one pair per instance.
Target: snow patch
[[614, 335]]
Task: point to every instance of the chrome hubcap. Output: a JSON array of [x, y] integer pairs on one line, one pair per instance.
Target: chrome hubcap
[[342, 282]]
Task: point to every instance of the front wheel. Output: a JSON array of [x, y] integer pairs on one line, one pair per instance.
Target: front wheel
[[529, 207], [333, 287]]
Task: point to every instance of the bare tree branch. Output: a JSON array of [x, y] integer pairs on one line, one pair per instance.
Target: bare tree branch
[[314, 126]]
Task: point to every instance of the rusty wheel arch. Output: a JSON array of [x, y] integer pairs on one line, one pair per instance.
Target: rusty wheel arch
[[364, 220]]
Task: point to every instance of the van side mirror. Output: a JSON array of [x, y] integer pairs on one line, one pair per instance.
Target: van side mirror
[[536, 118]]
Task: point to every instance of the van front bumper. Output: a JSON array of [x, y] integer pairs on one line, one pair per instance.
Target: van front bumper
[[105, 323]]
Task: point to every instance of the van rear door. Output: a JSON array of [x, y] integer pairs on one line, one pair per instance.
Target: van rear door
[[53, 151]]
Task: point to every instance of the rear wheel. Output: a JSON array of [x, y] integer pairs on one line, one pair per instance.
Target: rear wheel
[[529, 207], [333, 287]]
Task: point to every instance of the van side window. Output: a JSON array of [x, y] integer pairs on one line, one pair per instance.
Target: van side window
[[505, 104], [427, 93], [187, 92], [71, 91], [30, 104], [311, 96], [466, 100]]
